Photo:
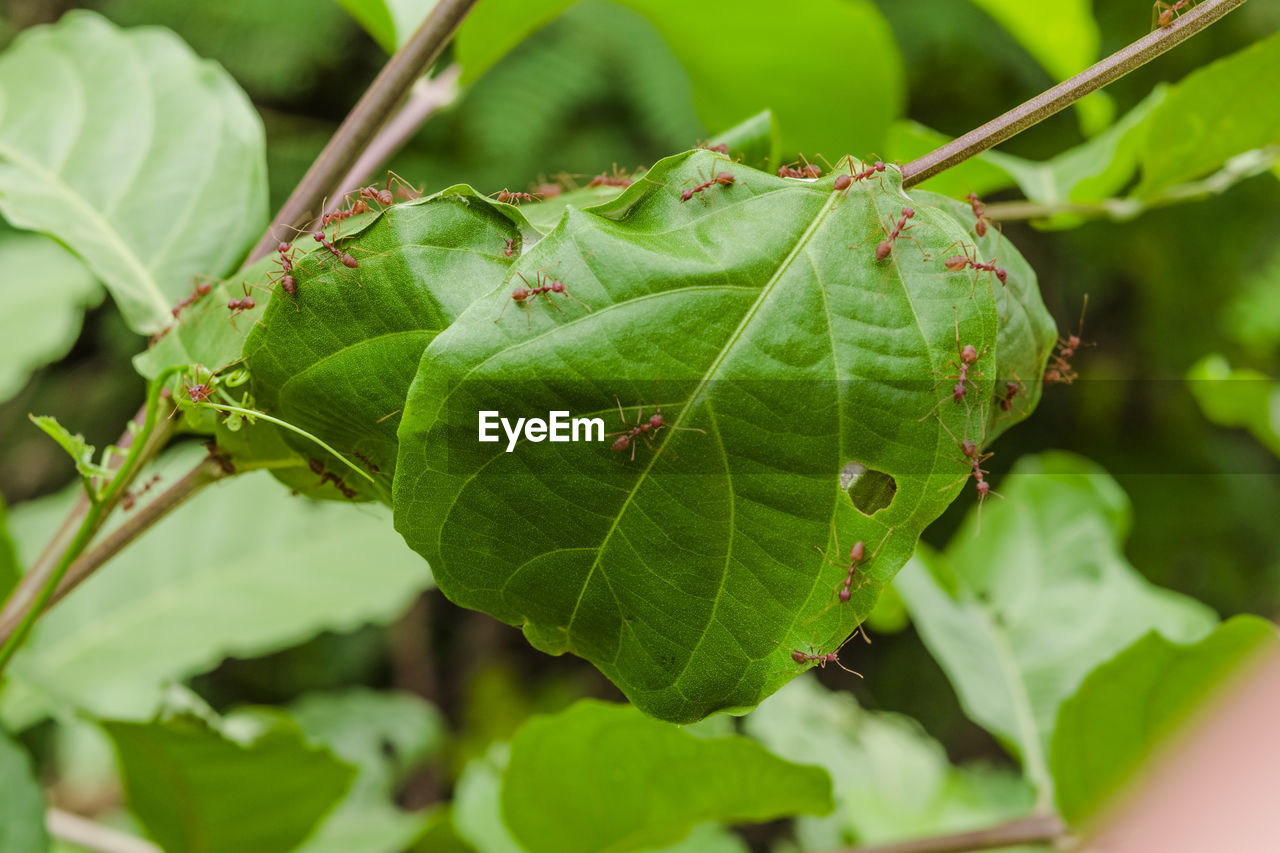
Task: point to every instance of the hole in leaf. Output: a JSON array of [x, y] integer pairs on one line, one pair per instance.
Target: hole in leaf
[[870, 491]]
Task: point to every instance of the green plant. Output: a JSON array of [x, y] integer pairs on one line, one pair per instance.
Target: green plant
[[779, 368]]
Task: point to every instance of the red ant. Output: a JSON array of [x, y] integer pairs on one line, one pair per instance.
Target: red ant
[[885, 248], [317, 467], [643, 427], [969, 356], [724, 179], [1011, 390], [346, 258], [807, 170], [202, 288], [824, 658], [287, 282], [1060, 365], [843, 182], [956, 263], [239, 306], [545, 285], [368, 463], [507, 197], [857, 556], [130, 498], [513, 246], [980, 214], [547, 190], [973, 457], [1163, 14], [617, 179], [721, 148], [200, 392]]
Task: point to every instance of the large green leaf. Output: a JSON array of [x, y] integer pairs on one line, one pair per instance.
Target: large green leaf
[[44, 290], [338, 357], [789, 73], [21, 802], [1247, 399], [761, 314], [1019, 610], [601, 777], [390, 22], [384, 736], [1213, 115], [144, 160], [240, 570], [197, 789], [1129, 705], [892, 781]]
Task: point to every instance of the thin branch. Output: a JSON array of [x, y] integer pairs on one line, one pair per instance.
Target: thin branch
[[364, 120], [1035, 829], [92, 835], [427, 97], [1067, 93], [209, 471]]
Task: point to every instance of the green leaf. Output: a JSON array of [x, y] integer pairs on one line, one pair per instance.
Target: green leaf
[[80, 451], [1072, 47], [647, 782], [44, 290], [142, 159], [477, 803], [384, 736], [1198, 127], [787, 353], [22, 803], [791, 78], [892, 782], [10, 569], [1019, 610], [1246, 399], [337, 359], [756, 141], [196, 789], [1128, 706], [909, 140], [390, 22], [241, 569]]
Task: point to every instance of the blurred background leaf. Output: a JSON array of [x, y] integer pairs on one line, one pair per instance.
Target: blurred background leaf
[[241, 570], [45, 290], [197, 789], [1019, 610], [1127, 706], [1238, 398], [892, 782], [10, 570], [390, 22], [162, 179], [22, 804]]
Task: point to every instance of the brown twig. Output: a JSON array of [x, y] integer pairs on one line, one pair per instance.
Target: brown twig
[[1035, 829], [364, 120], [1067, 93], [427, 97]]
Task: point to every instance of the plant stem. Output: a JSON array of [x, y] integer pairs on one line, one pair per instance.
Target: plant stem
[[34, 590], [210, 470], [1068, 92], [364, 120], [92, 835], [427, 97], [1035, 829]]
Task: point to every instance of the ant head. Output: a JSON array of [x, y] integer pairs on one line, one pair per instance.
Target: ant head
[[908, 213], [878, 165], [1003, 275], [969, 447], [203, 288], [557, 287], [969, 354], [983, 489]]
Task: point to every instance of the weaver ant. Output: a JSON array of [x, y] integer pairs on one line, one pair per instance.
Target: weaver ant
[[544, 286], [1059, 369], [1012, 389], [720, 148], [824, 658], [646, 427], [979, 214], [286, 280], [617, 179], [973, 457], [857, 558], [969, 259], [723, 179], [885, 248], [201, 288], [843, 182], [239, 306], [806, 170], [131, 497], [1164, 14], [969, 356], [508, 197], [512, 247]]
